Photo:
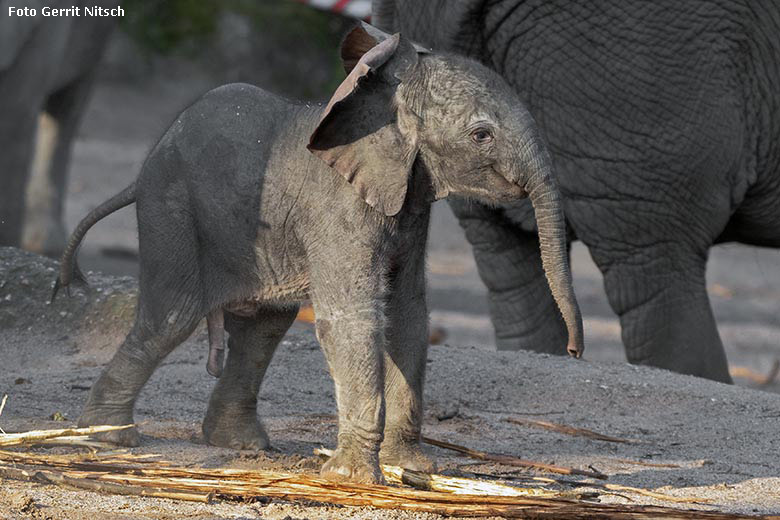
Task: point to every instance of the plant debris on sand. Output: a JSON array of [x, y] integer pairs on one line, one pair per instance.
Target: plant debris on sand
[[128, 474]]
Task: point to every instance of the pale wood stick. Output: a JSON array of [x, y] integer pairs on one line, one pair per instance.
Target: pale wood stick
[[617, 487], [569, 430], [13, 439], [2, 407], [76, 441], [509, 460], [106, 457], [648, 464]]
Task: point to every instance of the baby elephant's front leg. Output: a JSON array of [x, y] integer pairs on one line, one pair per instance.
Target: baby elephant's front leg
[[405, 360], [351, 336]]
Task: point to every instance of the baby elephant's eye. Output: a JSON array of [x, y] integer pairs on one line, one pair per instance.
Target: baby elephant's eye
[[481, 136]]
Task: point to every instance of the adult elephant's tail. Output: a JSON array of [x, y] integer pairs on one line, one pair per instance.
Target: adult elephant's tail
[[69, 269]]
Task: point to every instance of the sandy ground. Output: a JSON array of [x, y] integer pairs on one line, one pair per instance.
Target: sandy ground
[[722, 439]]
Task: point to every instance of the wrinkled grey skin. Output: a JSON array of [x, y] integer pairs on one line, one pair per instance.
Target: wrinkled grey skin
[[47, 65], [663, 119], [236, 215]]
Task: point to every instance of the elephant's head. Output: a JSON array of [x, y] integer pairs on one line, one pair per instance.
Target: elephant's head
[[463, 127]]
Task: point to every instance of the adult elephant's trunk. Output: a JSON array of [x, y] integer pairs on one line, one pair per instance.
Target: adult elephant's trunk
[[542, 189]]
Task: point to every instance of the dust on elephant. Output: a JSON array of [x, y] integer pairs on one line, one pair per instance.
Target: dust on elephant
[[235, 215], [47, 67], [663, 119]]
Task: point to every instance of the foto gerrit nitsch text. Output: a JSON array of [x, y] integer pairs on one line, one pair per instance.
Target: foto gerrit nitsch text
[[72, 11]]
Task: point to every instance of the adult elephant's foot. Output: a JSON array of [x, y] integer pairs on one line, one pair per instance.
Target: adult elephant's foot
[[405, 454], [239, 430], [45, 236], [665, 313], [355, 464], [96, 416]]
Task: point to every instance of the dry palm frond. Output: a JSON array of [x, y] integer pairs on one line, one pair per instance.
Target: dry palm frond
[[124, 475], [58, 478]]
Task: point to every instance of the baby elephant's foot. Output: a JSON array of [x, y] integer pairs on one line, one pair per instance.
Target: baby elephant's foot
[[355, 465], [239, 432], [405, 454], [95, 417]]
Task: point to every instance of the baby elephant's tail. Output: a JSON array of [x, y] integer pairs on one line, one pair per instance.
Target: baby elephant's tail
[[69, 269]]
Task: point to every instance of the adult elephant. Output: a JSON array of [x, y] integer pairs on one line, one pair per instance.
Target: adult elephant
[[47, 67], [663, 119]]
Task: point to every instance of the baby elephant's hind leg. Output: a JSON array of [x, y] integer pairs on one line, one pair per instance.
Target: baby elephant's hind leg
[[113, 396], [231, 420]]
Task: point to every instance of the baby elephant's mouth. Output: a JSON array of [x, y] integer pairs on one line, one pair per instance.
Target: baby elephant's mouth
[[506, 190]]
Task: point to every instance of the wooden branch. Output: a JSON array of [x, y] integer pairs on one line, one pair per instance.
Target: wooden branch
[[655, 494], [509, 460], [569, 430], [648, 464], [2, 407], [77, 442], [14, 439]]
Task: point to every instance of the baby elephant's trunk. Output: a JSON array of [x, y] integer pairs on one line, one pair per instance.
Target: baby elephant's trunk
[[543, 191]]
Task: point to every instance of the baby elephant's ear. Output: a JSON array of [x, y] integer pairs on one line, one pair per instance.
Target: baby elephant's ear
[[358, 133]]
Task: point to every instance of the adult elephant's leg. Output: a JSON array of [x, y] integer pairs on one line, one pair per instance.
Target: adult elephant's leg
[[523, 311], [17, 138], [231, 420], [405, 360], [658, 290], [23, 87], [44, 231]]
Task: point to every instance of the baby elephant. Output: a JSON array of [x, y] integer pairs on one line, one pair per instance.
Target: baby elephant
[[251, 203]]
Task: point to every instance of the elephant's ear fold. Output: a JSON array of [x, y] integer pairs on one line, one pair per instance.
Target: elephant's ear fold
[[358, 134], [361, 40]]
